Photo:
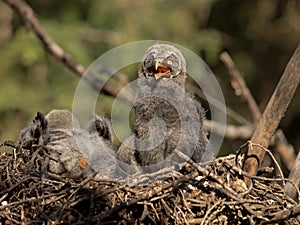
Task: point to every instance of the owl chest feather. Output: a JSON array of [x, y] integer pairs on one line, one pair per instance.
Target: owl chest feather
[[155, 108]]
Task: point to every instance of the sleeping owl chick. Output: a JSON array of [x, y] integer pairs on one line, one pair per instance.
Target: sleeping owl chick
[[82, 152], [75, 152], [61, 140], [166, 117]]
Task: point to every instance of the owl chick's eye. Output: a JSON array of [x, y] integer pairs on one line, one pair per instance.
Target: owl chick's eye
[[148, 62], [169, 62], [172, 60]]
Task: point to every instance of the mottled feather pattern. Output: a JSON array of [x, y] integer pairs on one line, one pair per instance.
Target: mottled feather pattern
[[166, 117]]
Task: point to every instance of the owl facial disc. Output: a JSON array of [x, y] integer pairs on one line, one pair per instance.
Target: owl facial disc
[[163, 61]]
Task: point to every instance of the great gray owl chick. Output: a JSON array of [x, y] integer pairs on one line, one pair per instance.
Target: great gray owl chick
[[61, 140], [166, 117], [75, 152]]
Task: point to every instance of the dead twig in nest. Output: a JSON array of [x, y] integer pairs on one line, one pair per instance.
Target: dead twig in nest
[[294, 178], [214, 194]]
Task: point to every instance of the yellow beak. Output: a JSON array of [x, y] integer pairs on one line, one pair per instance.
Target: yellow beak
[[160, 69], [158, 64], [157, 76]]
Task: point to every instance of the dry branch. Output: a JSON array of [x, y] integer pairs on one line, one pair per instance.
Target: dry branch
[[239, 84], [273, 113], [294, 177], [232, 132], [232, 114], [32, 23], [284, 149]]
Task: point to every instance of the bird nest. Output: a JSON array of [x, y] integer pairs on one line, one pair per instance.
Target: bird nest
[[213, 194]]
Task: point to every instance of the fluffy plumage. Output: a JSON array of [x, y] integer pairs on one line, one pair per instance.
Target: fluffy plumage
[[75, 152], [166, 117]]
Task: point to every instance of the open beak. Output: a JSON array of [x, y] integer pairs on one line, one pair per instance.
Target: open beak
[[157, 64], [160, 70]]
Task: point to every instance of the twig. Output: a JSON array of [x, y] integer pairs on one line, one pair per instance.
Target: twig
[[273, 113], [220, 185], [146, 196], [284, 149], [282, 179], [32, 23], [232, 132], [251, 145], [294, 177], [232, 114], [176, 200], [33, 199], [284, 214], [230, 193], [8, 144], [210, 210], [84, 182], [167, 208], [242, 88], [213, 215]]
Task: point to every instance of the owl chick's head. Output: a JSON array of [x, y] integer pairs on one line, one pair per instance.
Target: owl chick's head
[[61, 119], [163, 61]]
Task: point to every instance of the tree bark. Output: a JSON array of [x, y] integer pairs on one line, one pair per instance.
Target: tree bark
[[273, 113]]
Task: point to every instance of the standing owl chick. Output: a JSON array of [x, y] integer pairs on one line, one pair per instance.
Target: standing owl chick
[[166, 117]]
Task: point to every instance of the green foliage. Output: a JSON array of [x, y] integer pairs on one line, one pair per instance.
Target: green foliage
[[259, 34]]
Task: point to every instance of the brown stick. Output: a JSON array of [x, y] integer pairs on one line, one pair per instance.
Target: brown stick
[[237, 117], [283, 214], [32, 23], [273, 113], [232, 132], [284, 149], [241, 86], [294, 177]]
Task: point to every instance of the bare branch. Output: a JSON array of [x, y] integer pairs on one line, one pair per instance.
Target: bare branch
[[231, 132], [281, 215], [284, 149], [32, 23], [273, 113], [239, 84], [232, 114], [294, 177]]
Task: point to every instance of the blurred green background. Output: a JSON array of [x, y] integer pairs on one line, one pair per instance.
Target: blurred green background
[[261, 35]]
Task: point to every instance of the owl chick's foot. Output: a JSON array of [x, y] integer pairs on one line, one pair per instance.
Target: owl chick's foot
[[33, 134], [102, 126]]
